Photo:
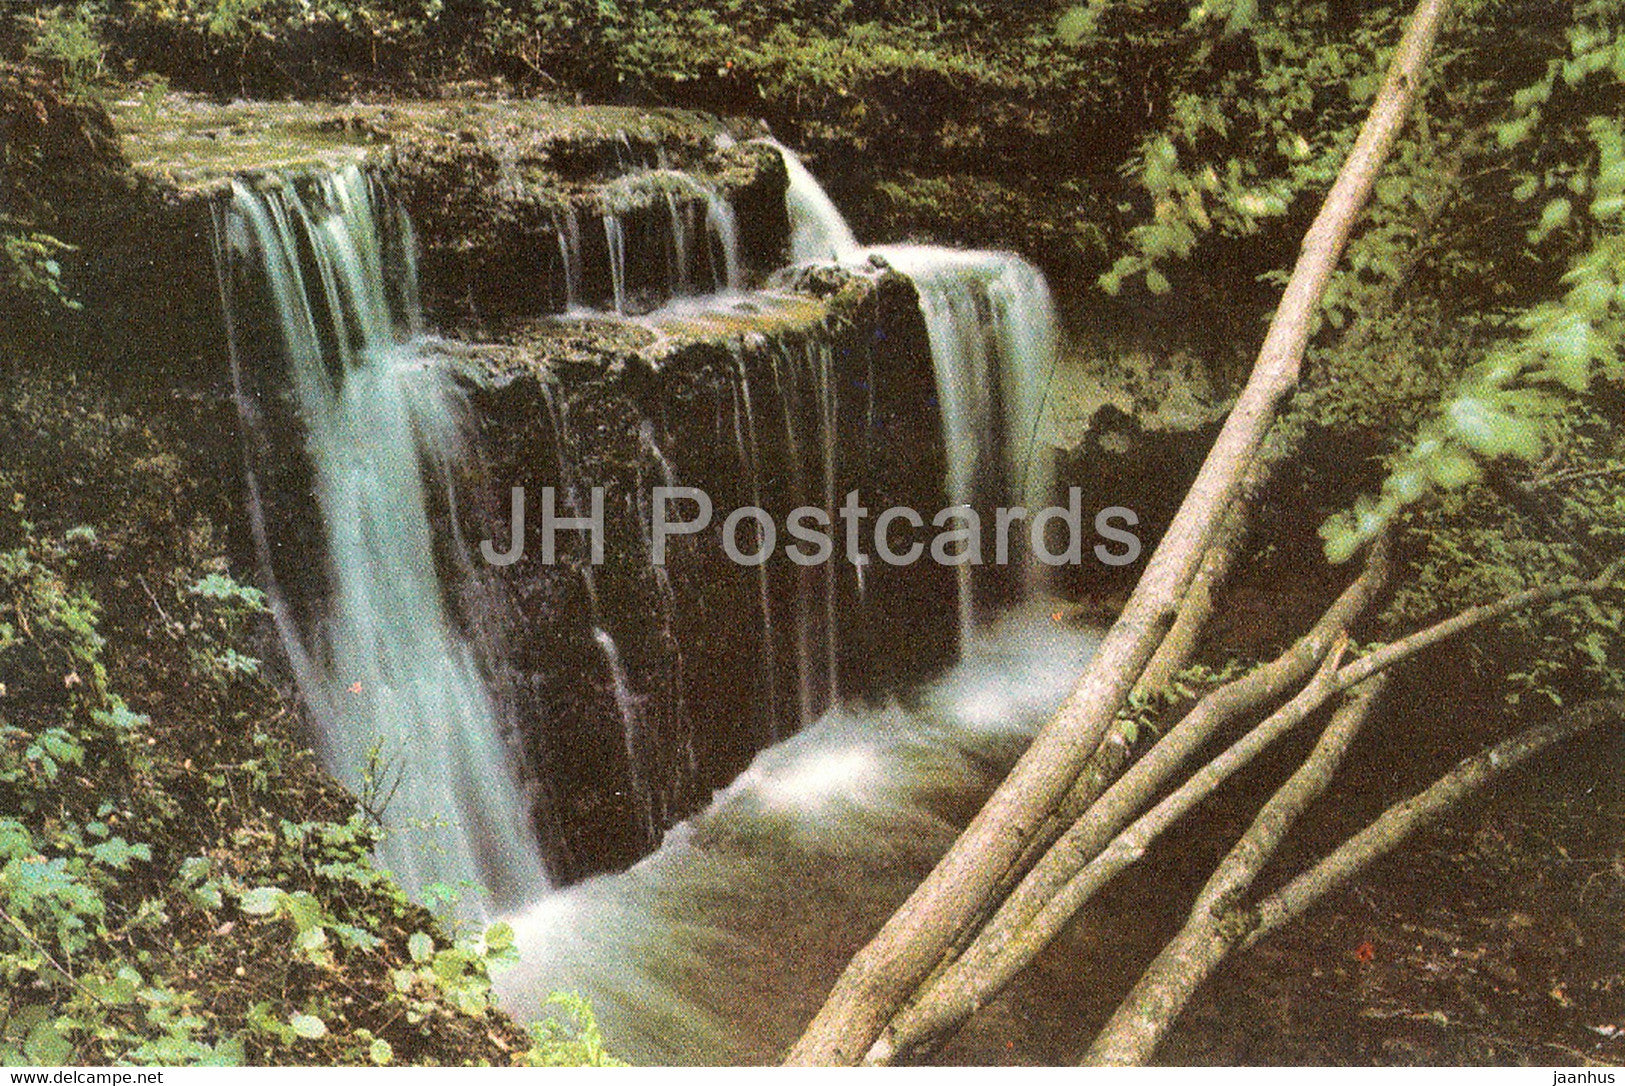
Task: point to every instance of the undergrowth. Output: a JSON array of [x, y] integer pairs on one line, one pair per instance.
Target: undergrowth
[[180, 883]]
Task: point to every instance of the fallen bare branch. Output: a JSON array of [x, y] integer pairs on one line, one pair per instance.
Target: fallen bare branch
[[1398, 822], [1134, 1030], [1009, 940], [961, 887]]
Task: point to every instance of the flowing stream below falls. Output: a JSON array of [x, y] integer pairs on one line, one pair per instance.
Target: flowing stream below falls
[[719, 946]]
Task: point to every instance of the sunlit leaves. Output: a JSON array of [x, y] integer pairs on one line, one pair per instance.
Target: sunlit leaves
[[1554, 349], [1080, 21], [262, 900], [308, 1026], [1554, 215]]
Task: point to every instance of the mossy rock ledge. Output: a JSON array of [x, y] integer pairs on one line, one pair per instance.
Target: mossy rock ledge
[[488, 185], [732, 394]]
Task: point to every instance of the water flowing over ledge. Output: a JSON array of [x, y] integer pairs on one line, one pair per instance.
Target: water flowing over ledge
[[522, 727], [405, 719]]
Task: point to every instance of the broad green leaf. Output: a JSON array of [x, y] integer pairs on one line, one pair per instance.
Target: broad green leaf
[[228, 1053], [304, 910], [308, 1026], [46, 1046], [262, 900], [117, 852]]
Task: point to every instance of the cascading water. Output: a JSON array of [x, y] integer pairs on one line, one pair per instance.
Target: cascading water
[[816, 841], [818, 232], [405, 716], [993, 344], [568, 228], [992, 331], [718, 947], [685, 955], [697, 240]]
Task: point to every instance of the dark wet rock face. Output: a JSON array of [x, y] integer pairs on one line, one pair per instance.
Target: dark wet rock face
[[719, 659], [520, 207], [515, 217], [630, 690]]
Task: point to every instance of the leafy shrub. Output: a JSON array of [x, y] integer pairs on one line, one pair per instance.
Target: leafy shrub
[[30, 269], [68, 41]]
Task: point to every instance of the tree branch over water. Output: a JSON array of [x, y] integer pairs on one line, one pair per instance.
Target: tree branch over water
[[883, 974]]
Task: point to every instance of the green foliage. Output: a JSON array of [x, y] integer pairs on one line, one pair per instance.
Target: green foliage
[[1243, 142], [1534, 363], [65, 861], [240, 21], [80, 895], [568, 1036], [291, 45], [181, 886], [1564, 517], [30, 267], [68, 41], [229, 608]]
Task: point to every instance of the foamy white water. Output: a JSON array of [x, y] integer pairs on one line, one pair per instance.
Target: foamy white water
[[404, 715], [994, 337], [718, 947]]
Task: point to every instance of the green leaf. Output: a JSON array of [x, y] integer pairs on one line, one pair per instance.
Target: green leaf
[[381, 1052], [1570, 344], [46, 1046], [117, 852], [304, 910], [471, 1001], [450, 964], [421, 946], [15, 840], [262, 900], [1452, 469], [499, 936], [1076, 24], [308, 1026], [1515, 132], [1554, 215], [228, 1053], [1156, 282], [356, 938]]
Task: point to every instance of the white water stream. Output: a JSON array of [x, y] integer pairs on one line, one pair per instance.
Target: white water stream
[[405, 717], [718, 945]]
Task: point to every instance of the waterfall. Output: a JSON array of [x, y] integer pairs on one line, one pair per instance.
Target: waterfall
[[717, 945], [818, 233], [417, 708], [568, 228], [750, 462], [698, 254], [993, 334], [632, 729], [993, 340], [405, 717]]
